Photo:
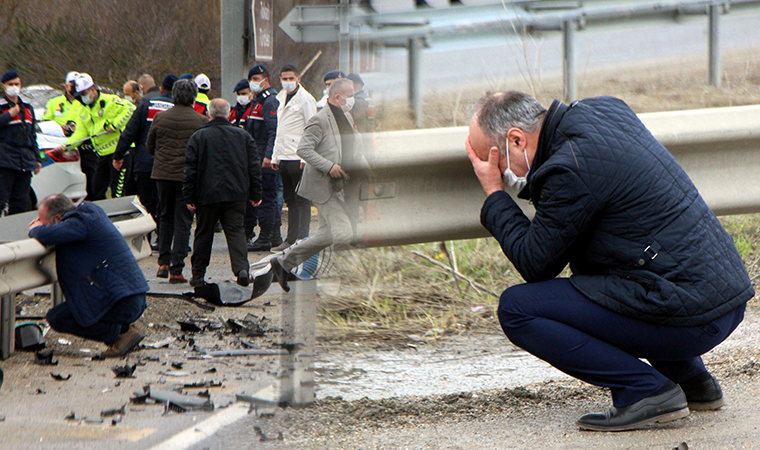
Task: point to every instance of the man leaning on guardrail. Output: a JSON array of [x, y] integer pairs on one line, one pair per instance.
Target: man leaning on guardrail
[[100, 279], [655, 275]]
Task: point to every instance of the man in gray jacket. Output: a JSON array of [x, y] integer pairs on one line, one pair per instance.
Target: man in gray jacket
[[167, 141], [330, 146]]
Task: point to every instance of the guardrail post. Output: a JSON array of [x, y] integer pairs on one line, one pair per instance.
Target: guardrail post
[[7, 325], [415, 70], [568, 61], [344, 39], [56, 294], [714, 44], [298, 321]]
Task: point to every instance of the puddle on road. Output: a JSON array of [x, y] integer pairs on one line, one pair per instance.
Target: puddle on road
[[451, 366]]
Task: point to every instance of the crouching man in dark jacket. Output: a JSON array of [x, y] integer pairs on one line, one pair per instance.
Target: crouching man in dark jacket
[[100, 279], [655, 275]]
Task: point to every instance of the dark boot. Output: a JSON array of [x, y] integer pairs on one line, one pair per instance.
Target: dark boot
[[263, 242]]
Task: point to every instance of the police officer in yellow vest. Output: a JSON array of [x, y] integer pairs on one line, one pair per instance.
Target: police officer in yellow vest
[[202, 100], [63, 109], [102, 118]]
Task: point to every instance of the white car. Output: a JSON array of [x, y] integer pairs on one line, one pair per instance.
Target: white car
[[61, 173]]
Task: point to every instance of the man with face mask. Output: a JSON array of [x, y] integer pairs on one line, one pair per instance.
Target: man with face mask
[[102, 119], [19, 155], [331, 146], [328, 79], [100, 279], [132, 91], [62, 109], [261, 123], [243, 95], [655, 275], [296, 107]]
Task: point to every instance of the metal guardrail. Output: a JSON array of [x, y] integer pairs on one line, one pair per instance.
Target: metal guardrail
[[426, 190], [26, 264]]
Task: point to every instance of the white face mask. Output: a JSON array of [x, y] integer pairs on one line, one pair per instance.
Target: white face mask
[[86, 99], [12, 91], [289, 86], [512, 181], [243, 99], [256, 86], [325, 92], [349, 104]]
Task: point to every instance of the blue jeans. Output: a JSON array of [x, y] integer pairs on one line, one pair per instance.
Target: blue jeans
[[558, 324], [108, 328]]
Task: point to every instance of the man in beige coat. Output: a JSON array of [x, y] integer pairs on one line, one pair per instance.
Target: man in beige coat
[[331, 146]]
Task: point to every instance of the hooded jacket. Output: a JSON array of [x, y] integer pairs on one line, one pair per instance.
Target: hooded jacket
[[614, 204]]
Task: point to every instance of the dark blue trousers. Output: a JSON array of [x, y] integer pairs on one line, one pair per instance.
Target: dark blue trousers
[[558, 324], [267, 214], [108, 328]]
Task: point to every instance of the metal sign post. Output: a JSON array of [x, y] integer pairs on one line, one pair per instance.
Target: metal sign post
[[263, 29]]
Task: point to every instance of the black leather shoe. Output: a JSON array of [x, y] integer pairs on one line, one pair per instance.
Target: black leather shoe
[[243, 279], [703, 393], [659, 408], [281, 274], [259, 246], [197, 281]]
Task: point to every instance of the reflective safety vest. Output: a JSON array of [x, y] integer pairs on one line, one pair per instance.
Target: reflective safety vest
[[61, 110], [107, 111], [201, 103]]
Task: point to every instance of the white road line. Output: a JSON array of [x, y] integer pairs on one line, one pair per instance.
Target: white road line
[[208, 427]]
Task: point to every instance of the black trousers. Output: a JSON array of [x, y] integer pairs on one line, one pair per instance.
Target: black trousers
[[148, 193], [105, 176], [176, 221], [14, 190], [88, 162], [230, 215], [299, 209]]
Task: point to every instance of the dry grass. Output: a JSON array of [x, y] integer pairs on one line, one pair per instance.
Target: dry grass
[[390, 293]]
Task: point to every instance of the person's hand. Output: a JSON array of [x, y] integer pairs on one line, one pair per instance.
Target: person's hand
[[303, 164], [488, 172], [191, 207], [255, 202], [275, 166], [118, 163], [337, 172], [39, 167], [267, 163], [110, 130], [35, 223], [14, 111]]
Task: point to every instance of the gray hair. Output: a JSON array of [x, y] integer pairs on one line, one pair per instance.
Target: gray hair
[[500, 111], [184, 92], [58, 204], [338, 84], [219, 107]]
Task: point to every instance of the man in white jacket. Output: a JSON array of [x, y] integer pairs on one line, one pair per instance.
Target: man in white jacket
[[297, 106]]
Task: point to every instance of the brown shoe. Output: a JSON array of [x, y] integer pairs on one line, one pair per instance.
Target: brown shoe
[[163, 271], [177, 279], [124, 343]]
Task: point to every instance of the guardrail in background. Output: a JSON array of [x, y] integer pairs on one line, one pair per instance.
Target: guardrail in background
[[26, 264], [426, 190]]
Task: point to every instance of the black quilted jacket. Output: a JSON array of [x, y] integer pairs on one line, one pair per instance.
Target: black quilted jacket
[[616, 206]]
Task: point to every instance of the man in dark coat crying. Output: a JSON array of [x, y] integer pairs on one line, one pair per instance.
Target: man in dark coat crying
[[655, 275]]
